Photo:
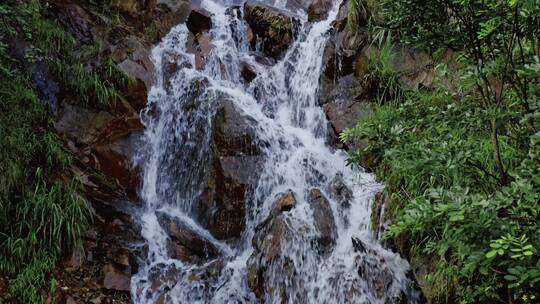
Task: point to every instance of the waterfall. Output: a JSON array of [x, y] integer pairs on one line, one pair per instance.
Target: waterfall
[[291, 129]]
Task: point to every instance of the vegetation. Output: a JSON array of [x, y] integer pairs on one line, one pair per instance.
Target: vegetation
[[42, 213], [462, 161]]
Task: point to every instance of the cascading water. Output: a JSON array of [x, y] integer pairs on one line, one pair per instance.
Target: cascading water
[[291, 130]]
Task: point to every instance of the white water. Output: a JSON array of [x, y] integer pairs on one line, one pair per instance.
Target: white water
[[293, 128]]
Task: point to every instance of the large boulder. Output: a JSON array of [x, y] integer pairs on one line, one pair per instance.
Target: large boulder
[[273, 27], [232, 172]]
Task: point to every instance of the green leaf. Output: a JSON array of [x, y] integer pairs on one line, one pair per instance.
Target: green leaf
[[510, 277], [491, 254]]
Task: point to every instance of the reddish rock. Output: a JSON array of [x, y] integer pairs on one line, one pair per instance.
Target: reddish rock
[[232, 171]]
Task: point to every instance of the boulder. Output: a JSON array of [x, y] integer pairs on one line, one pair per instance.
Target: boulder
[[275, 28], [323, 220], [185, 244], [247, 72], [103, 141], [232, 172], [268, 241], [272, 238]]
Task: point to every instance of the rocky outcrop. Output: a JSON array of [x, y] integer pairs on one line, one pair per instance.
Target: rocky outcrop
[[232, 172], [274, 28]]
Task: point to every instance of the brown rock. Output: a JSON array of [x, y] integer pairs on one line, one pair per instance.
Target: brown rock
[[285, 201], [116, 279], [232, 171], [248, 73]]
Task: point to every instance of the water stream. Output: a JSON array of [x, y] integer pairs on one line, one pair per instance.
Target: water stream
[[291, 129]]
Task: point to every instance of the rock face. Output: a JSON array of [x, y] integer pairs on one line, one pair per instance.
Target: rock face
[[272, 238], [273, 27], [232, 171]]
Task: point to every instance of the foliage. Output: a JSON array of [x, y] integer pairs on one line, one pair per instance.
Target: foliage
[[462, 160], [436, 154], [28, 20], [382, 74], [41, 213]]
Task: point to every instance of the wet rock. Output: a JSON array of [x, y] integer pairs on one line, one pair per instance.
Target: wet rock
[[358, 245], [234, 133], [342, 194], [75, 20], [268, 240], [116, 278], [198, 21], [285, 201], [231, 174], [248, 73], [172, 62], [323, 220], [185, 243], [275, 28], [46, 85], [318, 10]]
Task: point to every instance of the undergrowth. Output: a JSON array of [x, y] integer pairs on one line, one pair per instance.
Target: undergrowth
[[42, 213], [461, 160]]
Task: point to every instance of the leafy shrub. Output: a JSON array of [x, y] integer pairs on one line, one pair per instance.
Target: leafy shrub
[[436, 153]]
